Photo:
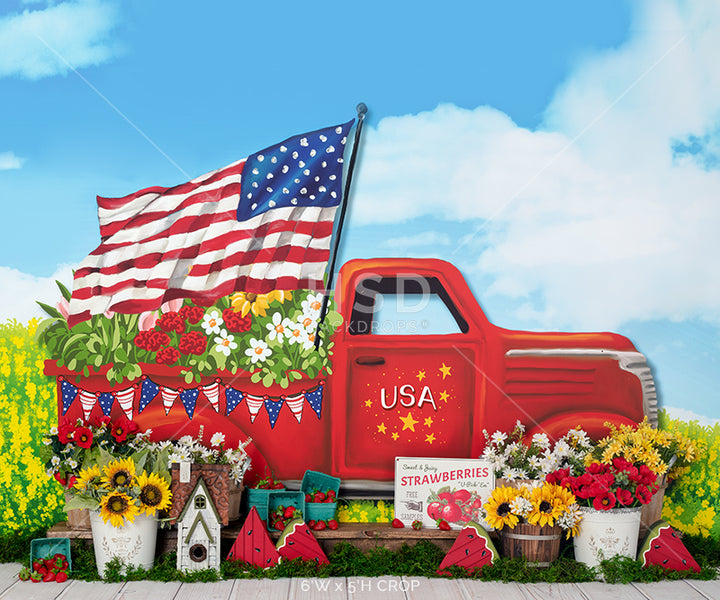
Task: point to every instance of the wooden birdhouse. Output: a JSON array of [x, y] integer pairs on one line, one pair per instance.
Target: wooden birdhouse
[[198, 540]]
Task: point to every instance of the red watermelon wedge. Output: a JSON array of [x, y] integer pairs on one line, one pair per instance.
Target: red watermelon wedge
[[473, 549], [663, 546], [253, 544], [297, 541]]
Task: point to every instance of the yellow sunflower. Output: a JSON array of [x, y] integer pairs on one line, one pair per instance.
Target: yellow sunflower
[[498, 509], [116, 507], [154, 493], [88, 477], [280, 296], [119, 473], [548, 503]]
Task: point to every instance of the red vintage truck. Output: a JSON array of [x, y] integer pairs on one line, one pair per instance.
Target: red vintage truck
[[418, 370]]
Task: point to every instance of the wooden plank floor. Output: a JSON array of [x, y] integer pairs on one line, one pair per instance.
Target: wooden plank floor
[[351, 588]]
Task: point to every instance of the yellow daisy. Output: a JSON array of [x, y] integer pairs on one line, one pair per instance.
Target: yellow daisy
[[154, 493], [245, 302], [116, 507], [119, 473]]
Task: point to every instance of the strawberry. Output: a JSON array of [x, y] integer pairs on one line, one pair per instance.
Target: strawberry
[[60, 557], [332, 524], [61, 576], [35, 577], [49, 576], [319, 496], [398, 524], [289, 512], [37, 564], [278, 486], [308, 498], [331, 494], [417, 524], [444, 525], [24, 574], [311, 523], [319, 526], [328, 499]]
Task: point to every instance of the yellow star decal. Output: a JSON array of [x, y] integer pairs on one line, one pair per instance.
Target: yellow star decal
[[421, 375], [409, 422], [445, 370], [444, 396], [395, 435], [368, 403], [428, 422], [382, 428], [430, 438]]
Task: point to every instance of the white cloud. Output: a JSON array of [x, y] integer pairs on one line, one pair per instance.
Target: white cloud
[[592, 213], [20, 291], [425, 239], [9, 161], [682, 414], [41, 43]]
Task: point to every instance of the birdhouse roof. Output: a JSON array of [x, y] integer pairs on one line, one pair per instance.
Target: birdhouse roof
[[200, 486]]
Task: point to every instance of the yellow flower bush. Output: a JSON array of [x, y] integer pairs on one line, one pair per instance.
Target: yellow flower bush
[[30, 500], [692, 502]]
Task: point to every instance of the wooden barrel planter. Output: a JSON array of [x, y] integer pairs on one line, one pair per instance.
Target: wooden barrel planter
[[539, 545]]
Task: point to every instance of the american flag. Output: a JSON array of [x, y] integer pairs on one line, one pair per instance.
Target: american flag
[[259, 224]]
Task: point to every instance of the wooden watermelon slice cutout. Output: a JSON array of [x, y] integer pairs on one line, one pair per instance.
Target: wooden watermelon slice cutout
[[253, 544], [297, 541], [662, 546], [473, 549]]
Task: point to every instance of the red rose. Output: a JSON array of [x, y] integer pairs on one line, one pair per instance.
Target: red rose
[[235, 321], [167, 356], [624, 496], [192, 314], [596, 468], [171, 321], [192, 343], [643, 494], [604, 501], [83, 437]]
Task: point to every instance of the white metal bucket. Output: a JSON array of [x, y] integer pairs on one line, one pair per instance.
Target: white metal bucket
[[606, 533], [133, 544]]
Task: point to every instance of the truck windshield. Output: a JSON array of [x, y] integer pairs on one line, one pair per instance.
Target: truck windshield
[[404, 305]]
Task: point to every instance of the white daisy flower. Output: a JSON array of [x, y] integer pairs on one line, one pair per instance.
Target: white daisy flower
[[211, 322], [217, 439], [258, 351], [277, 328], [225, 342]]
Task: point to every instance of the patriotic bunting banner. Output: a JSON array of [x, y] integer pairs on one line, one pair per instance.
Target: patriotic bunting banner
[[105, 400], [232, 399], [149, 390], [212, 393], [168, 397], [69, 393], [125, 400], [273, 406], [189, 399]]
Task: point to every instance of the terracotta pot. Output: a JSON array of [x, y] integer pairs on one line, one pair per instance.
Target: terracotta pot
[[78, 518], [225, 493], [539, 545]]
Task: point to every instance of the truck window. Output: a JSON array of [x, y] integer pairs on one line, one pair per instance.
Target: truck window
[[404, 305]]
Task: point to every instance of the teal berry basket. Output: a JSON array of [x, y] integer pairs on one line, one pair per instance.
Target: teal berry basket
[[41, 548], [259, 498], [313, 481]]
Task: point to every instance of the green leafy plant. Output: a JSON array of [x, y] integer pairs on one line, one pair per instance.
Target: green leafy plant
[[270, 336]]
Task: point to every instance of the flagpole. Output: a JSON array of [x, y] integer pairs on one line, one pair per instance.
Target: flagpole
[[361, 111]]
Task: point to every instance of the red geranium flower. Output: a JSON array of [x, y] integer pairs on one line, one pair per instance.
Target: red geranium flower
[[596, 468], [192, 343], [604, 501], [192, 314], [235, 322], [172, 321], [83, 437], [167, 356], [151, 340]]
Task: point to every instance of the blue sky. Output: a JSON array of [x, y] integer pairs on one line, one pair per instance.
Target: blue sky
[[565, 156]]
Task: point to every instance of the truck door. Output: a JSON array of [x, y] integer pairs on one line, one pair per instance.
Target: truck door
[[411, 375]]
